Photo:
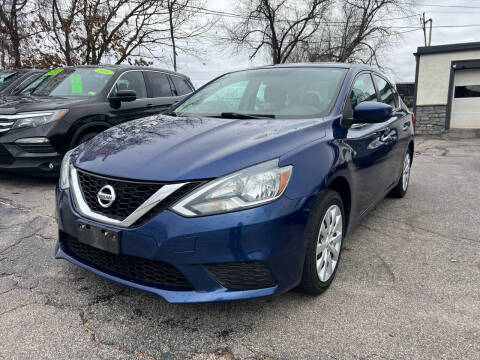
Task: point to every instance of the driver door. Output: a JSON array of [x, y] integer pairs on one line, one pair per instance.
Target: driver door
[[370, 147], [126, 111]]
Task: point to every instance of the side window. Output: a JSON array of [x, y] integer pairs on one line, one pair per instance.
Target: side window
[[363, 90], [132, 80], [231, 95], [387, 93], [181, 85], [159, 84]]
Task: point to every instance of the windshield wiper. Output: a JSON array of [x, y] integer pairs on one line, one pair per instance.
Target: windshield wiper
[[234, 115], [170, 113]]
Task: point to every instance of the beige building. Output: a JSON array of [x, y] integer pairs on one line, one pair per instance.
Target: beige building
[[447, 91]]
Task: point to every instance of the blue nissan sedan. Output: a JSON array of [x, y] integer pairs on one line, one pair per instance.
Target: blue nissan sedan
[[246, 188]]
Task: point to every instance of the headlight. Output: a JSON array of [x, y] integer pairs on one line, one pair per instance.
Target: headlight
[[37, 118], [65, 170], [243, 189]]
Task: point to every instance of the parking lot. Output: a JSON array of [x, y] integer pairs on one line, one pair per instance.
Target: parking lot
[[407, 288]]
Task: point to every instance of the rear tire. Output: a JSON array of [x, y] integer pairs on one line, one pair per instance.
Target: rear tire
[[401, 188], [325, 232]]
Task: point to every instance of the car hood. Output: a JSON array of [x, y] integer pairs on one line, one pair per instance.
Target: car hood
[[15, 104], [165, 148]]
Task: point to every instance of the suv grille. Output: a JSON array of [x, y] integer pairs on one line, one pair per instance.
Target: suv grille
[[129, 195], [5, 124], [128, 267], [242, 275]]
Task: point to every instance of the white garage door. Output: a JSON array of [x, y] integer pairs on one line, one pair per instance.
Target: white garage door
[[466, 100]]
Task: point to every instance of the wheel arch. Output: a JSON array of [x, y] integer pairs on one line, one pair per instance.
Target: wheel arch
[[411, 149], [341, 185], [88, 127]]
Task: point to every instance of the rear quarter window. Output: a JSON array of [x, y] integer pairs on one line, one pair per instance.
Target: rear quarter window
[[181, 85]]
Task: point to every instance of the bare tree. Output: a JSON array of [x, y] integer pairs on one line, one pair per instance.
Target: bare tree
[[187, 22], [277, 26], [15, 29], [95, 31], [122, 29], [355, 33]]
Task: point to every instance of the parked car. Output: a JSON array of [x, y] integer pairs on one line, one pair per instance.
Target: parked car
[[68, 106], [247, 189], [12, 82]]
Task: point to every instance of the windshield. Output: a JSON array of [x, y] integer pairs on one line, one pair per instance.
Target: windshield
[[277, 92], [70, 82], [7, 77]]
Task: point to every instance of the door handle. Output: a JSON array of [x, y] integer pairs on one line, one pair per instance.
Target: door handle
[[149, 105], [406, 125], [386, 138]]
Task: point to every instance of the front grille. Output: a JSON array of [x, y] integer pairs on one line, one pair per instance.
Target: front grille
[[169, 201], [242, 275], [129, 195], [127, 267], [5, 124], [37, 148]]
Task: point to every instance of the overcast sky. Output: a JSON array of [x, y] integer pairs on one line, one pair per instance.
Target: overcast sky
[[443, 12]]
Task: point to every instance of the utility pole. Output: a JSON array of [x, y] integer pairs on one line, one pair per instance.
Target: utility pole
[[424, 23]]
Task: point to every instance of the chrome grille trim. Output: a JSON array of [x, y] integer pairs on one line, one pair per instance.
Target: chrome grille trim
[[82, 207], [6, 122]]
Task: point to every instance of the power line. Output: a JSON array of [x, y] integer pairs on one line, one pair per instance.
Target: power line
[[207, 11], [446, 6]]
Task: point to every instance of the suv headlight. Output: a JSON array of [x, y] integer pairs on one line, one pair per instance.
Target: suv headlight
[[64, 181], [253, 186], [37, 118]]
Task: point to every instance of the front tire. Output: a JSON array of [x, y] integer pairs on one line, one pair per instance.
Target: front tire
[[325, 233]]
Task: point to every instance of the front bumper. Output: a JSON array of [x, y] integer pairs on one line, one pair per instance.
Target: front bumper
[[14, 158], [271, 235], [30, 159]]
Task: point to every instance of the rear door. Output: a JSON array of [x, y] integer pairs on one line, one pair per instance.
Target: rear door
[[396, 132], [161, 91], [370, 147], [131, 80]]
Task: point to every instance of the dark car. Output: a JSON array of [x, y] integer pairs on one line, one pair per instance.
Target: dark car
[[68, 106], [248, 189], [13, 81]]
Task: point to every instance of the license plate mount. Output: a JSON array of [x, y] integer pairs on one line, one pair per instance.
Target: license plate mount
[[103, 239]]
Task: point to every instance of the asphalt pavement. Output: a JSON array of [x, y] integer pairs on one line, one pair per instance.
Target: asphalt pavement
[[408, 286]]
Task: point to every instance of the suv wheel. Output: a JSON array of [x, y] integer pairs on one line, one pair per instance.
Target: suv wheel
[[325, 234]]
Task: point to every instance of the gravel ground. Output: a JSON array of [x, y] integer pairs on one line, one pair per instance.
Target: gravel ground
[[407, 287]]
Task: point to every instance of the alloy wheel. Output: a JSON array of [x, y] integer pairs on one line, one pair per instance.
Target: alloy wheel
[[329, 242]]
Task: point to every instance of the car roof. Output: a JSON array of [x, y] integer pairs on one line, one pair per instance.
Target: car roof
[[338, 65], [22, 71], [327, 64], [125, 67]]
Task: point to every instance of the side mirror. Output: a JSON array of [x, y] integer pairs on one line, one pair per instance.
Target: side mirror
[[371, 112], [124, 96]]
